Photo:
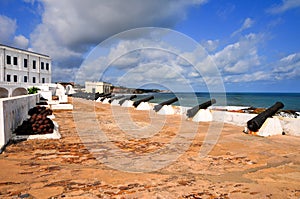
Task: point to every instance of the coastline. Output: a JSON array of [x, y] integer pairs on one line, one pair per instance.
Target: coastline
[[239, 165]]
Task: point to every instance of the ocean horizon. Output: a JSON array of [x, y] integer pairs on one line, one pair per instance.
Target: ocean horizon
[[291, 101]]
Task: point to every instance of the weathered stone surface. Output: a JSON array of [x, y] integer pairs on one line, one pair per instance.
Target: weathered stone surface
[[239, 166]]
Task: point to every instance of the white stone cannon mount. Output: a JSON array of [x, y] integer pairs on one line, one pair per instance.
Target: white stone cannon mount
[[272, 126]]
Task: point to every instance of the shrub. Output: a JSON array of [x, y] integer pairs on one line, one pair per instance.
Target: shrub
[[33, 90]]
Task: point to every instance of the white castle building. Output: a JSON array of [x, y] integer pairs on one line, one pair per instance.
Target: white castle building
[[22, 69], [22, 66]]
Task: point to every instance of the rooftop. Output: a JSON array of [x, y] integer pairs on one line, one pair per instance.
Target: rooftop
[[5, 46]]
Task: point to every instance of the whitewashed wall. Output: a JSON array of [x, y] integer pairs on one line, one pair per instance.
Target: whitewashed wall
[[13, 111], [19, 69]]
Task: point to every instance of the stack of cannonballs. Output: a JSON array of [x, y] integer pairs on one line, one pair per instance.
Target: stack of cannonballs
[[38, 123]]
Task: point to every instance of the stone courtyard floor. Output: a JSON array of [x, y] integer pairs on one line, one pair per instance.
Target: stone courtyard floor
[[117, 152]]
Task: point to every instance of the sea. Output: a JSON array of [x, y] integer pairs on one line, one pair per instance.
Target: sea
[[291, 101]]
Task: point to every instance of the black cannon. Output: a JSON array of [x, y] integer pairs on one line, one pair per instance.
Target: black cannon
[[126, 98], [109, 95], [255, 123], [115, 98], [97, 95], [193, 111], [168, 102], [146, 99]]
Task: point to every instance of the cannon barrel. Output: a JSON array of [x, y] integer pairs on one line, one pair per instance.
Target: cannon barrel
[[97, 95], [193, 111], [168, 102], [115, 98], [127, 98], [146, 99], [255, 123], [109, 95]]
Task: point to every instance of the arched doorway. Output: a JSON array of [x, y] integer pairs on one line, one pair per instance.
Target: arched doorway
[[19, 91], [3, 92]]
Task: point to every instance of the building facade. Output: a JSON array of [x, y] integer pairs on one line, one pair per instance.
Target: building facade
[[98, 87], [22, 66]]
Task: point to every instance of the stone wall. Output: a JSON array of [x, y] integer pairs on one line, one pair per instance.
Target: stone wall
[[13, 111]]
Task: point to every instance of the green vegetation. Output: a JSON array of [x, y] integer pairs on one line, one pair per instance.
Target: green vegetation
[[33, 90]]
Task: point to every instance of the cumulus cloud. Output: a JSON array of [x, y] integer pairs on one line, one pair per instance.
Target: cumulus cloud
[[69, 28], [210, 45], [247, 24], [255, 76], [239, 57], [285, 6], [21, 42], [128, 55], [7, 30], [287, 67]]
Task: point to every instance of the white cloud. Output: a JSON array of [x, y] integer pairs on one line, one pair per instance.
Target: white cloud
[[287, 67], [8, 27], [247, 24], [29, 1], [285, 6], [70, 27], [256, 76], [210, 45], [240, 56], [21, 42], [166, 75]]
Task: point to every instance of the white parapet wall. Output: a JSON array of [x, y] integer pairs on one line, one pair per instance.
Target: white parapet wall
[[239, 119], [13, 111], [291, 126]]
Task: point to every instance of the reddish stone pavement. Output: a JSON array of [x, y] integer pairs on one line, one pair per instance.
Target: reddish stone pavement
[[239, 165]]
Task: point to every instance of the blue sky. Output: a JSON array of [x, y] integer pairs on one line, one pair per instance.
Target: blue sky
[[254, 44]]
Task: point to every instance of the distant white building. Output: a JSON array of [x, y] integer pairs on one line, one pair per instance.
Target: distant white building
[[22, 66], [98, 87]]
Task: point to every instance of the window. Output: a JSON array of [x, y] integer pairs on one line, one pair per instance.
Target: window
[[25, 63], [8, 78], [25, 78], [43, 80], [8, 59], [15, 78], [15, 61], [47, 66], [42, 65], [34, 64], [33, 79]]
